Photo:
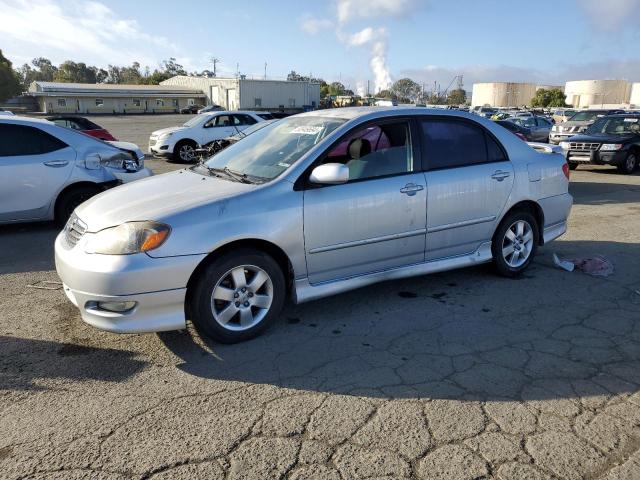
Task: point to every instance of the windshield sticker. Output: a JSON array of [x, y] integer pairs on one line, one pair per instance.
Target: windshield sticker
[[306, 130], [631, 120], [285, 165]]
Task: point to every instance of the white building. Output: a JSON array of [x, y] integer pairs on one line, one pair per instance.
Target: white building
[[248, 94], [56, 97]]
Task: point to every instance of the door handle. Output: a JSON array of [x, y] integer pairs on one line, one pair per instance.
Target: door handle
[[500, 175], [411, 189], [56, 163]]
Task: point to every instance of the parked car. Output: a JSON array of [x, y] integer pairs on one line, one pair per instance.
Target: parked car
[[180, 143], [611, 140], [82, 125], [279, 115], [211, 108], [500, 116], [561, 115], [278, 215], [210, 149], [518, 130], [191, 109], [6, 112], [486, 112], [47, 170], [539, 127], [578, 123]]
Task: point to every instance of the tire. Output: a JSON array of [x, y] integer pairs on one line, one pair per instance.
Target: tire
[[629, 165], [184, 151], [525, 232], [69, 200], [232, 314], [572, 166]]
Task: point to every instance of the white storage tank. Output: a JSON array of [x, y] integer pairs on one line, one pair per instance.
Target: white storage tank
[[503, 94], [634, 99], [594, 93]]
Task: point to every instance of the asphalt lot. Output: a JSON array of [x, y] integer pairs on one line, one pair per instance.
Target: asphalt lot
[[458, 375]]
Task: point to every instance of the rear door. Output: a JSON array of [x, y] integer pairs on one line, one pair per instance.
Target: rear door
[[34, 166], [469, 179], [375, 221]]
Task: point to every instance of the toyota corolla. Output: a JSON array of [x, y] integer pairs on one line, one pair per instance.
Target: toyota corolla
[[310, 206]]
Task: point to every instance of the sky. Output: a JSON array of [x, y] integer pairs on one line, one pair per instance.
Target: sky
[[352, 41]]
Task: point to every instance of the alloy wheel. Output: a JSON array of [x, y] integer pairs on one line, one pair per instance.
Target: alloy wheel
[[517, 243], [631, 163], [187, 153], [242, 297]]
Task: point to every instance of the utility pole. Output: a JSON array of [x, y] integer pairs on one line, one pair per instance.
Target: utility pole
[[265, 70], [214, 60]]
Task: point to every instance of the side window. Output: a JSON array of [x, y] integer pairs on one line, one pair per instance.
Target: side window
[[452, 143], [494, 152], [375, 151], [543, 123], [224, 121], [18, 140]]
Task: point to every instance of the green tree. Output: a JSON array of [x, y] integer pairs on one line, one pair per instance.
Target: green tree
[[72, 72], [553, 97], [457, 97], [336, 88], [406, 90], [9, 82]]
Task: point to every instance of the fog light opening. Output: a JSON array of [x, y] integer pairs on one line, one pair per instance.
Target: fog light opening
[[116, 307]]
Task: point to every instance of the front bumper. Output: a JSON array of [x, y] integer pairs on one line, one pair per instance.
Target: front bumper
[[157, 285], [596, 157], [556, 138], [126, 177], [160, 148]]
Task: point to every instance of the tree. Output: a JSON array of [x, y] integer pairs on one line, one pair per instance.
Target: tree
[[553, 97], [336, 88], [406, 90], [71, 72], [9, 82], [457, 97]]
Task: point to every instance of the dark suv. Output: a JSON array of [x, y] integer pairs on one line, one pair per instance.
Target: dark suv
[[610, 140]]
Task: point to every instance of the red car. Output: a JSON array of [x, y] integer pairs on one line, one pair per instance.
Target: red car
[[83, 125]]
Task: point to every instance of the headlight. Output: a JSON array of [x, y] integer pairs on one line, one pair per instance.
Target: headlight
[[129, 238], [555, 128], [164, 136], [565, 145], [610, 146]]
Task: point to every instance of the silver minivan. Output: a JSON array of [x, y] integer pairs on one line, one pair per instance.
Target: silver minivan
[[310, 206]]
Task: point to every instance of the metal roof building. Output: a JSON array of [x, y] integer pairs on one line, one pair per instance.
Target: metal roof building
[[56, 97], [252, 94]]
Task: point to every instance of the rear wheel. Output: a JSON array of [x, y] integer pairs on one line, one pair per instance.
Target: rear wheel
[[237, 296], [629, 165], [185, 151], [69, 200], [515, 243]]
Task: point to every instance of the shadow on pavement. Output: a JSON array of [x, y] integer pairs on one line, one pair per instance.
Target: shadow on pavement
[[465, 334], [24, 361], [27, 247], [591, 193]]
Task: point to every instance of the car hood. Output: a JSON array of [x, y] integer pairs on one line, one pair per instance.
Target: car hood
[[163, 131], [128, 147], [601, 138], [156, 198]]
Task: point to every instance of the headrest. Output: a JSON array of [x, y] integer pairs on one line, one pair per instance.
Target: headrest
[[358, 148]]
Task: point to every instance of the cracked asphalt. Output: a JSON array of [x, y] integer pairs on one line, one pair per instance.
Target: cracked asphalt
[[459, 375]]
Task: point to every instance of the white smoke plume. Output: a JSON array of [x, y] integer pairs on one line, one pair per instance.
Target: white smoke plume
[[376, 38]]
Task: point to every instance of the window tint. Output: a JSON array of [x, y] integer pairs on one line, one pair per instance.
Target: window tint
[[375, 151], [242, 119], [451, 143], [494, 152], [23, 140], [543, 123]]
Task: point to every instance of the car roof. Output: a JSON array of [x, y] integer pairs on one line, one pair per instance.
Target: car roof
[[22, 119]]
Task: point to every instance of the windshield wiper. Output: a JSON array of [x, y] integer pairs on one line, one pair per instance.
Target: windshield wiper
[[240, 177]]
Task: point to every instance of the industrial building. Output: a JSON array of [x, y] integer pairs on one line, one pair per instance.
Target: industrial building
[[252, 94], [55, 97], [599, 93], [503, 94]]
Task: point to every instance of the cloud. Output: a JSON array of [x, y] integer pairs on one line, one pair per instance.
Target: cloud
[[348, 10], [82, 31], [312, 25], [611, 15]]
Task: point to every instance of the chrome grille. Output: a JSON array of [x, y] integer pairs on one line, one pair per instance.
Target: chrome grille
[[584, 147], [74, 230]]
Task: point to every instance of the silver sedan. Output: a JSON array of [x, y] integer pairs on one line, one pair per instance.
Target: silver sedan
[[310, 206]]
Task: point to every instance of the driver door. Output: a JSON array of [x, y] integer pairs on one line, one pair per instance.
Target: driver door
[[377, 220], [217, 128]]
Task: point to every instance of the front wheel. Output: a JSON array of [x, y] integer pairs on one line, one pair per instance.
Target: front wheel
[[184, 152], [629, 165], [237, 296], [515, 243]]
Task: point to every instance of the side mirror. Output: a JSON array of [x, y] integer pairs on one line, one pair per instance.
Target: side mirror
[[330, 174]]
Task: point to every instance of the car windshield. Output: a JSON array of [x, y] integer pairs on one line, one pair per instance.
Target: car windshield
[[270, 151], [194, 121], [253, 128], [586, 116], [615, 126]]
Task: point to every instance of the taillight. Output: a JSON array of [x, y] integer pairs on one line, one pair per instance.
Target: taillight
[[565, 170]]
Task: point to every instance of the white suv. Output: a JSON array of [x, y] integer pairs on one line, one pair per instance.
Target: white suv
[[180, 143], [46, 170]]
